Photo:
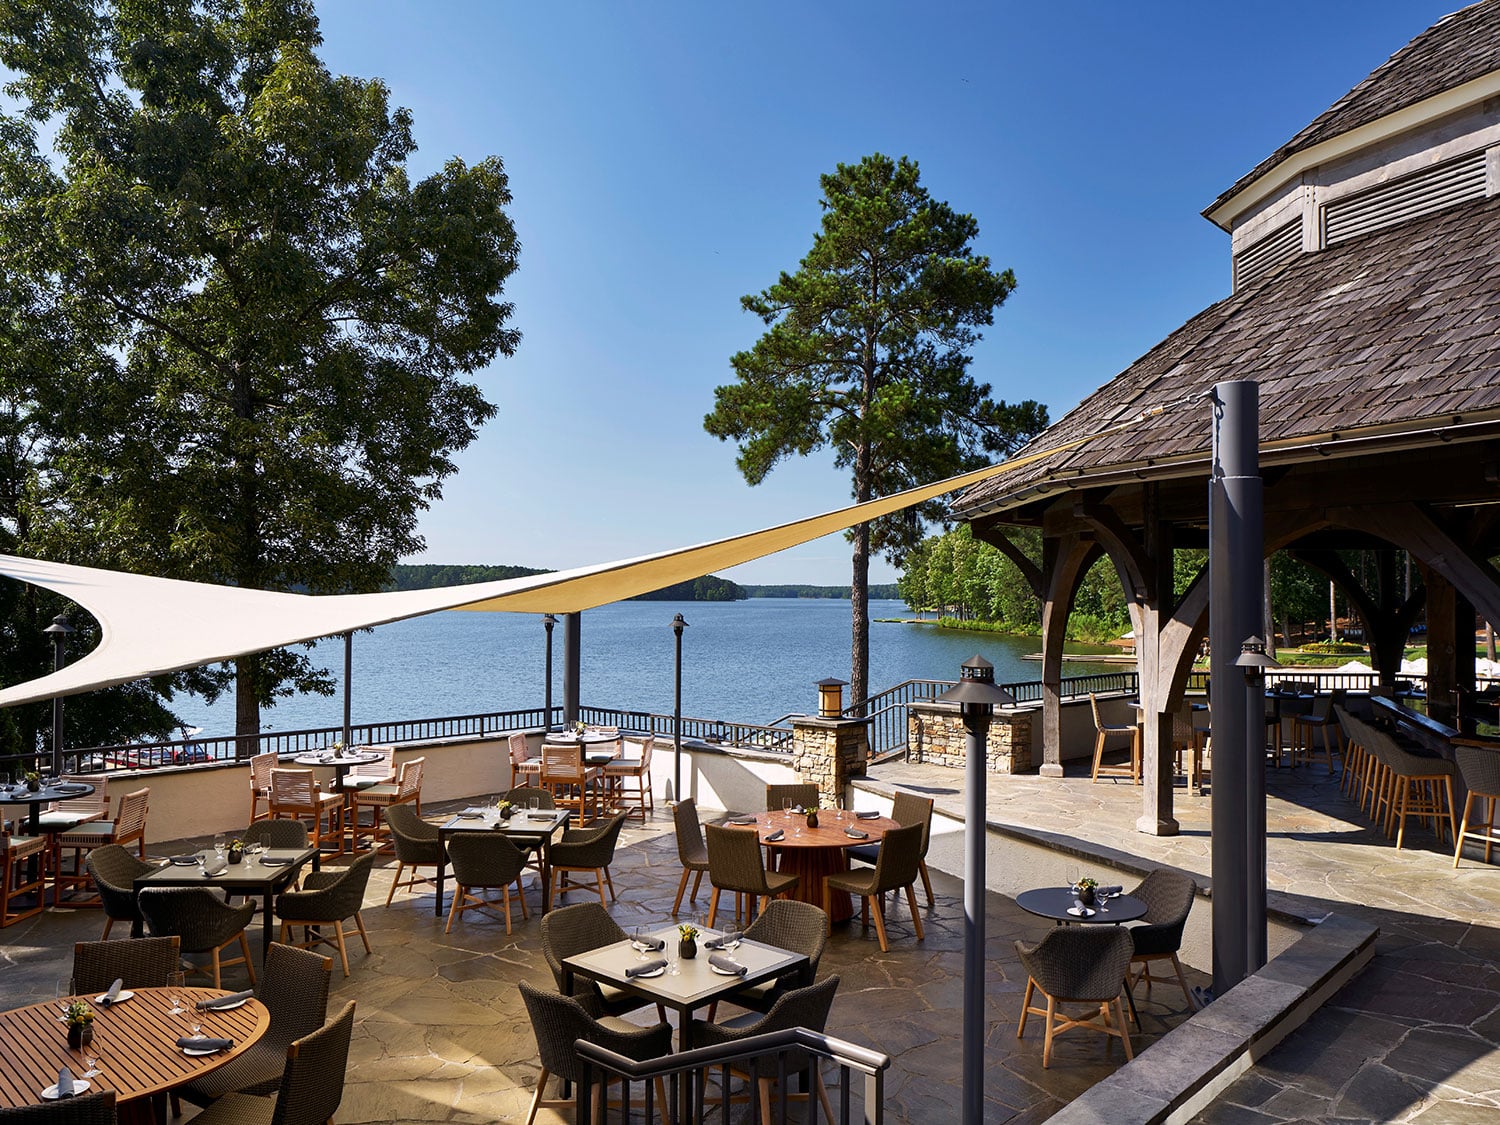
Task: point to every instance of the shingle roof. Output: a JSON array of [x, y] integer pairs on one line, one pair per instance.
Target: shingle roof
[[1458, 48], [1387, 330]]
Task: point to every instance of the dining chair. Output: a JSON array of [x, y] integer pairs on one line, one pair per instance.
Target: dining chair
[[311, 1087], [1103, 732], [204, 922], [261, 766], [522, 796], [906, 808], [418, 844], [569, 779], [785, 923], [70, 812], [805, 1007], [633, 764], [362, 775], [1077, 965], [692, 853], [139, 962], [407, 790], [735, 864], [523, 763], [23, 871], [114, 872], [589, 850], [570, 930], [94, 1108], [484, 860], [897, 868], [294, 987], [1168, 896], [1414, 785], [802, 793], [559, 1022], [1319, 722], [326, 900], [296, 796], [127, 827], [276, 834], [1480, 770]]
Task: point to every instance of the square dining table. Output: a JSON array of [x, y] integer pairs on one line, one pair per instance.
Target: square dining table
[[250, 876], [523, 829]]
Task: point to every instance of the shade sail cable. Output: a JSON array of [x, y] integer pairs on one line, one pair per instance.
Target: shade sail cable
[[151, 626]]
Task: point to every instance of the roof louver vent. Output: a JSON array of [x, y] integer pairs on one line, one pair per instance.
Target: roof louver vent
[[1407, 198], [1260, 258]]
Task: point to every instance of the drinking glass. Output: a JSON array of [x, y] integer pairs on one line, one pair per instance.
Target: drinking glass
[[90, 1059], [64, 993], [639, 941], [674, 967], [176, 982], [219, 845], [536, 804], [786, 808]]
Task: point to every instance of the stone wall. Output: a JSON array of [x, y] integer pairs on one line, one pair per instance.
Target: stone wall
[[828, 752], [935, 734]]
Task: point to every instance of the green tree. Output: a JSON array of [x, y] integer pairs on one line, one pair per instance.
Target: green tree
[[867, 353], [265, 329]]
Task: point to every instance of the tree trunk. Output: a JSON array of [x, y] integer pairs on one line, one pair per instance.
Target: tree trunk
[[1270, 620], [246, 709], [859, 605]]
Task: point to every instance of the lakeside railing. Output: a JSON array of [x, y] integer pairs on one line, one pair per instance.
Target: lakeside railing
[[886, 713]]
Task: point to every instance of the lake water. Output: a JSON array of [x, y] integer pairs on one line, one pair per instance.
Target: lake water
[[749, 661]]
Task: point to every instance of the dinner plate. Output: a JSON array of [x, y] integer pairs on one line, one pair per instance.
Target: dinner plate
[[470, 814], [724, 972], [125, 994], [1085, 912], [228, 1007], [201, 1052], [184, 860], [80, 1086], [273, 861]]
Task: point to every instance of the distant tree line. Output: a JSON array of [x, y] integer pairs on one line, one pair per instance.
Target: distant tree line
[[841, 593], [428, 576]]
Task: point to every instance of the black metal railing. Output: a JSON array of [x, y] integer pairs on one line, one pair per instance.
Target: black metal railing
[[698, 1078]]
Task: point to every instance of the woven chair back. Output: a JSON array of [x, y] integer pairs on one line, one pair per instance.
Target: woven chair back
[[276, 834], [294, 988], [804, 793], [1480, 769], [130, 818], [140, 963], [520, 750], [293, 791], [568, 930], [734, 860], [92, 805], [97, 1108], [312, 1086], [690, 846], [410, 783], [484, 859], [522, 796], [1082, 963], [261, 766], [195, 914], [381, 769]]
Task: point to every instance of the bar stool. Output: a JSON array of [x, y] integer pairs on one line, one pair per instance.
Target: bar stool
[[1480, 770], [1105, 732]]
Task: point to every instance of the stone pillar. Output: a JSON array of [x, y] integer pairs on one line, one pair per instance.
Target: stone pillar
[[828, 752], [936, 735]]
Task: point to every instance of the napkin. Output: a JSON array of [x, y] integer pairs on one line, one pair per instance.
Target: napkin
[[645, 967], [867, 814], [274, 861], [65, 1083], [656, 944], [1110, 891], [856, 834], [723, 939], [779, 834], [225, 1001], [113, 994], [185, 860], [201, 1043], [217, 869], [741, 821], [727, 964]]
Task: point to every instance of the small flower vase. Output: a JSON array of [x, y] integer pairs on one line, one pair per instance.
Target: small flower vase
[[80, 1035], [507, 812], [236, 855], [33, 785], [687, 949], [812, 818], [1086, 895]]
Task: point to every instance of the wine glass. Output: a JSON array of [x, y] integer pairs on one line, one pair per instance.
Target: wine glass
[[176, 982], [639, 940], [786, 808], [90, 1059], [219, 846], [64, 993]]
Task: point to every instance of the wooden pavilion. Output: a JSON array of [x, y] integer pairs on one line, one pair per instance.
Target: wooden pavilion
[[1366, 305]]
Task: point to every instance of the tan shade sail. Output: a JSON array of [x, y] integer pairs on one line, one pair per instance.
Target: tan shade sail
[[151, 626]]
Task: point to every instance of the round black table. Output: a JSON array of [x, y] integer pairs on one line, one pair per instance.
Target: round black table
[[1056, 903], [57, 791]]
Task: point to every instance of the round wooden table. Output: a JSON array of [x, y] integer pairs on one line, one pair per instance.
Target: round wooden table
[[815, 852], [135, 1043]]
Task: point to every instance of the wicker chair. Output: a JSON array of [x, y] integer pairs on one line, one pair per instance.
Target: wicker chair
[[638, 801], [139, 962], [786, 924], [1317, 722], [60, 816], [128, 827], [1103, 733], [906, 808], [804, 793], [276, 834], [523, 763], [560, 1021], [382, 771], [896, 868], [1168, 896], [570, 930], [294, 989], [23, 871], [692, 853], [482, 860], [1480, 770], [417, 845], [569, 779], [735, 864], [801, 1007], [1413, 786], [407, 790], [312, 1082], [522, 795], [586, 849], [325, 900], [202, 920], [1077, 965], [261, 766], [97, 1108], [295, 795]]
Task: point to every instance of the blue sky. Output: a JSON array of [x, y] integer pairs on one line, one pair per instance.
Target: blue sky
[[664, 160]]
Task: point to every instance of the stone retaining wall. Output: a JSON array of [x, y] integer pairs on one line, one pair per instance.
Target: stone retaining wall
[[935, 734]]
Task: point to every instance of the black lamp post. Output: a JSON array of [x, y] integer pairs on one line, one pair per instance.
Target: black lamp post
[[59, 632], [1254, 662], [548, 621], [678, 625], [977, 696]]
